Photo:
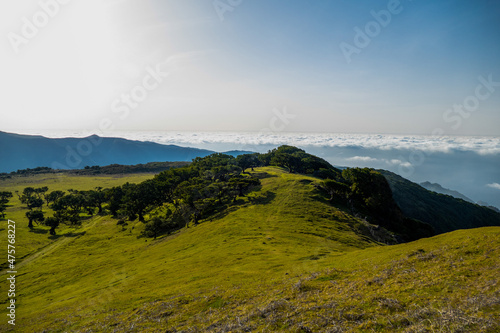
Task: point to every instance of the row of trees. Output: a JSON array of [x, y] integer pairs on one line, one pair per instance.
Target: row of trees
[[170, 200], [198, 191], [67, 207]]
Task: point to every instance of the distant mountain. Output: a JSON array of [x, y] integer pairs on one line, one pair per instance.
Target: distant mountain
[[435, 187], [31, 151], [487, 205], [444, 212]]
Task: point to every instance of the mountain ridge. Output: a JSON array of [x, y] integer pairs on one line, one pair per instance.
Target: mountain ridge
[[444, 212], [435, 187], [21, 151]]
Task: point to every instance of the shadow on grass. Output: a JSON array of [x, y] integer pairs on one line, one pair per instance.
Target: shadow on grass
[[74, 234], [69, 234], [337, 202], [262, 175], [39, 231], [262, 198]]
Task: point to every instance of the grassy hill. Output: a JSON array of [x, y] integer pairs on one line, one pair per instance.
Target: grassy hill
[[281, 259]]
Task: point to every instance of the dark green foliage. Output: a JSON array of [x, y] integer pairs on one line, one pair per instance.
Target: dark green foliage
[[158, 225], [74, 201], [68, 207], [370, 197], [53, 196], [34, 216], [53, 223], [336, 189], [246, 161], [68, 216], [212, 161], [98, 197], [327, 173], [205, 187], [114, 197], [32, 197], [137, 198], [443, 212], [4, 200], [298, 161], [369, 189]]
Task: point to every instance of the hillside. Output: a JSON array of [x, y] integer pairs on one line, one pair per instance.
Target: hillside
[[281, 259], [444, 212], [32, 151]]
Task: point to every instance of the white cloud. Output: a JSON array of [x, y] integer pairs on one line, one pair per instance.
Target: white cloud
[[441, 144], [494, 185], [368, 159], [363, 159]]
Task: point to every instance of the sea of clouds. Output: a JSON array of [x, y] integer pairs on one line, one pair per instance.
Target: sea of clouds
[[445, 144]]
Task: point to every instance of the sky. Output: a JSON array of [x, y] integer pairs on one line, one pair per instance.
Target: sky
[[338, 66]]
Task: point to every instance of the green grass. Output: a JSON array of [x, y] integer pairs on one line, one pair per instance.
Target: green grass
[[281, 260], [31, 241]]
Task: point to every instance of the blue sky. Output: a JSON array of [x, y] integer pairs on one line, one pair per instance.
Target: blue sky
[[265, 55]]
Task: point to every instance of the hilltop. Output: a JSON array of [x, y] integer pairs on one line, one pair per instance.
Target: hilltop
[[285, 256]]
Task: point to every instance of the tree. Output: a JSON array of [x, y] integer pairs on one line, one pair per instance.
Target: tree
[[114, 197], [41, 192], [53, 196], [335, 188], [34, 202], [98, 197], [67, 215], [32, 197], [4, 200], [34, 216], [139, 197], [289, 161], [154, 227], [246, 161], [240, 184], [53, 223]]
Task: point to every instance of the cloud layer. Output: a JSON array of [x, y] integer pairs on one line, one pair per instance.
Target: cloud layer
[[442, 144]]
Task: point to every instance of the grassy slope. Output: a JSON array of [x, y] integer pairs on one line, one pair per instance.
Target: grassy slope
[[282, 260], [30, 242]]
